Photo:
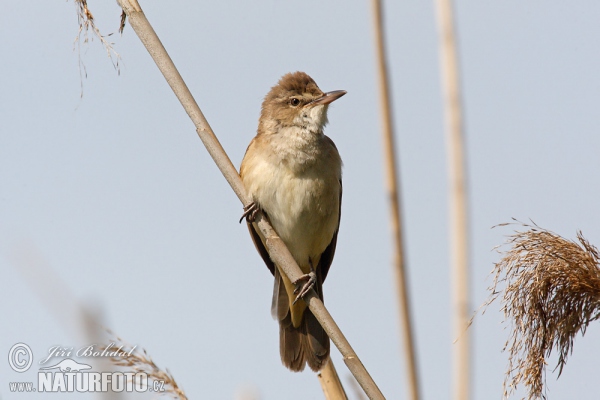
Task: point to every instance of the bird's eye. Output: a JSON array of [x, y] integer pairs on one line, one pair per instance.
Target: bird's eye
[[294, 102]]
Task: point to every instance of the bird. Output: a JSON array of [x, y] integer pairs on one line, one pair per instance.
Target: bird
[[293, 173]]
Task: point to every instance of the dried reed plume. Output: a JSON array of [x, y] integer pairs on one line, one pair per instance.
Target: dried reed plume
[[85, 19], [552, 292], [141, 362]]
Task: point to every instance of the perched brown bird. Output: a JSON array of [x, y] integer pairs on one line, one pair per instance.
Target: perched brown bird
[[294, 174]]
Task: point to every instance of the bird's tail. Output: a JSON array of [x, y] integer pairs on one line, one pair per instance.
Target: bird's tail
[[306, 344]]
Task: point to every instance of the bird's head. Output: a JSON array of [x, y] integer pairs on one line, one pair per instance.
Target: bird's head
[[296, 100]]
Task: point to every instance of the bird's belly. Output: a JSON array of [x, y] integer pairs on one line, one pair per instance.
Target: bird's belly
[[304, 210]]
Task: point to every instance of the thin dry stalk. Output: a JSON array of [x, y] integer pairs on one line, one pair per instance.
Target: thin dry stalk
[[459, 245], [550, 291], [85, 19], [392, 179], [330, 383], [142, 362], [275, 246]]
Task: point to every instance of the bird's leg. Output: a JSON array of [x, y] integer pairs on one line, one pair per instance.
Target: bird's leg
[[309, 281], [249, 212]]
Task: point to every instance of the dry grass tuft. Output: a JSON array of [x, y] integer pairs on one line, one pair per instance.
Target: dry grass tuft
[[141, 362], [85, 19], [551, 293]]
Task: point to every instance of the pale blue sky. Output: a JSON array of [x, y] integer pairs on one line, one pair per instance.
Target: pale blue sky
[[126, 206]]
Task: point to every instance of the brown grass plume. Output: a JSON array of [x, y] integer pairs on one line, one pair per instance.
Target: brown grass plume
[[86, 22], [141, 362], [551, 292]]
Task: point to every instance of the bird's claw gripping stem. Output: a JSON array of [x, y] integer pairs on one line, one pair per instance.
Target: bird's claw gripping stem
[[309, 281], [249, 212]]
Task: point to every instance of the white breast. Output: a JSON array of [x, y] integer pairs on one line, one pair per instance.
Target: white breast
[[299, 189]]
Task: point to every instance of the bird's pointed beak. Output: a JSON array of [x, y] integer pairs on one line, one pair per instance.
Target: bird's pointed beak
[[326, 98]]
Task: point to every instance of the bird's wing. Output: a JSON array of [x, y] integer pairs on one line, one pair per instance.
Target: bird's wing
[[327, 256], [261, 247]]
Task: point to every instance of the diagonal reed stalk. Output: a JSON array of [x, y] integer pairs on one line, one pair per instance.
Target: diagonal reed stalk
[[392, 179], [275, 246], [550, 291], [458, 200]]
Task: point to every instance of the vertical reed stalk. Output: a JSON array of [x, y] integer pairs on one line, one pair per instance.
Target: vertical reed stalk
[[330, 383], [392, 179], [458, 200]]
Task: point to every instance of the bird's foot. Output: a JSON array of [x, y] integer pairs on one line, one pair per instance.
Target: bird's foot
[[309, 282], [249, 212]]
